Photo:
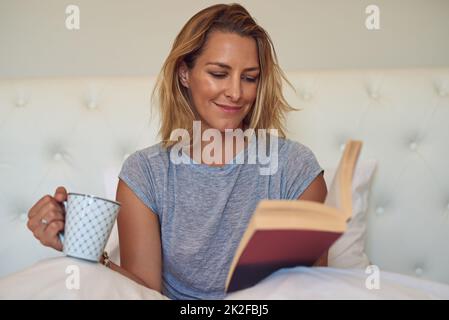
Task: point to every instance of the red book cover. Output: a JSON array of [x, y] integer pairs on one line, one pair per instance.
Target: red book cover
[[270, 250]]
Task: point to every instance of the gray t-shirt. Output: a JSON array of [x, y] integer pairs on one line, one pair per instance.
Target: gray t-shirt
[[203, 211]]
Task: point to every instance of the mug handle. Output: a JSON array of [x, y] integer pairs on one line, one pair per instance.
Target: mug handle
[[61, 234]]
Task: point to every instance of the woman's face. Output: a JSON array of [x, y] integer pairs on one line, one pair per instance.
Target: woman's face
[[223, 83]]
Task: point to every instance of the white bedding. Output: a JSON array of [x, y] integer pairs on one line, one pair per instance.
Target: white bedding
[[47, 280], [332, 283]]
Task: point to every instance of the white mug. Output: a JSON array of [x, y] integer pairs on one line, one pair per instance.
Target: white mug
[[88, 224]]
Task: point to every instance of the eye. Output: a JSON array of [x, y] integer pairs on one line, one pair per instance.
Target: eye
[[218, 75], [222, 75], [249, 79]]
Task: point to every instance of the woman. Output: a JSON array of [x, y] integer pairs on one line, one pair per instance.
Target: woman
[[180, 224]]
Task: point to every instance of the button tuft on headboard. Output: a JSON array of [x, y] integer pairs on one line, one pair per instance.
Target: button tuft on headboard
[[419, 271], [374, 95], [22, 98], [21, 102], [380, 210], [306, 96], [92, 104], [57, 156], [413, 146]]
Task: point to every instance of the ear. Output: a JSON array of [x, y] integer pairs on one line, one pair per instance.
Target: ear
[[183, 73]]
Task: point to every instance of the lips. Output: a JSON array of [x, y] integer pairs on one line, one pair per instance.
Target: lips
[[228, 108]]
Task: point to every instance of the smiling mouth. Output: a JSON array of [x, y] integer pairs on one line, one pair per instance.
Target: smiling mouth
[[228, 108]]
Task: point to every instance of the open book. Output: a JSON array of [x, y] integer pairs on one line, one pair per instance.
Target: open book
[[289, 233]]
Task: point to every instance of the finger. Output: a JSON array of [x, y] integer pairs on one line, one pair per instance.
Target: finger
[[39, 231], [60, 194], [50, 212], [51, 233], [54, 215], [38, 205], [39, 212], [47, 234]]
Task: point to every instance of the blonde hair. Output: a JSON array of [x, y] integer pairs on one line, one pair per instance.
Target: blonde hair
[[175, 109]]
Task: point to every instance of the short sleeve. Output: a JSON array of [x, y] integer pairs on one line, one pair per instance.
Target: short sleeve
[[300, 169], [136, 173]]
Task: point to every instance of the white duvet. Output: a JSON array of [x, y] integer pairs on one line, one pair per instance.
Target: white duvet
[[68, 278]]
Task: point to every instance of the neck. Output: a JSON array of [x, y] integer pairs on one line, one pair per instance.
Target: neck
[[228, 151]]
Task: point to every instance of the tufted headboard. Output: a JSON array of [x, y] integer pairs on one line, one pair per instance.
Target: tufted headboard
[[76, 132]]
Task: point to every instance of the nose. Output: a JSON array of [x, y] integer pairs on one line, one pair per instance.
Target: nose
[[234, 89]]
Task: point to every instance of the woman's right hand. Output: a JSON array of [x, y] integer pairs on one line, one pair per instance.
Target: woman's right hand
[[46, 218]]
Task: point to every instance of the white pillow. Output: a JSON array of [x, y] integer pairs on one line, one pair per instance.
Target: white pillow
[[348, 251]]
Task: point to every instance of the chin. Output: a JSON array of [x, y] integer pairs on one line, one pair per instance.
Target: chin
[[223, 127]]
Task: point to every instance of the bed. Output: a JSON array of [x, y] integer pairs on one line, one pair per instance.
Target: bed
[[403, 200]]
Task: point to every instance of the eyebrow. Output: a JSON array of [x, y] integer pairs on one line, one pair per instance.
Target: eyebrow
[[229, 67]]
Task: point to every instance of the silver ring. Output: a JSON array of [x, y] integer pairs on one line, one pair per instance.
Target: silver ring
[[44, 221]]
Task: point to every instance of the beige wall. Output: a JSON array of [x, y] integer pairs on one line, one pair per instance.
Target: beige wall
[[119, 37]]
